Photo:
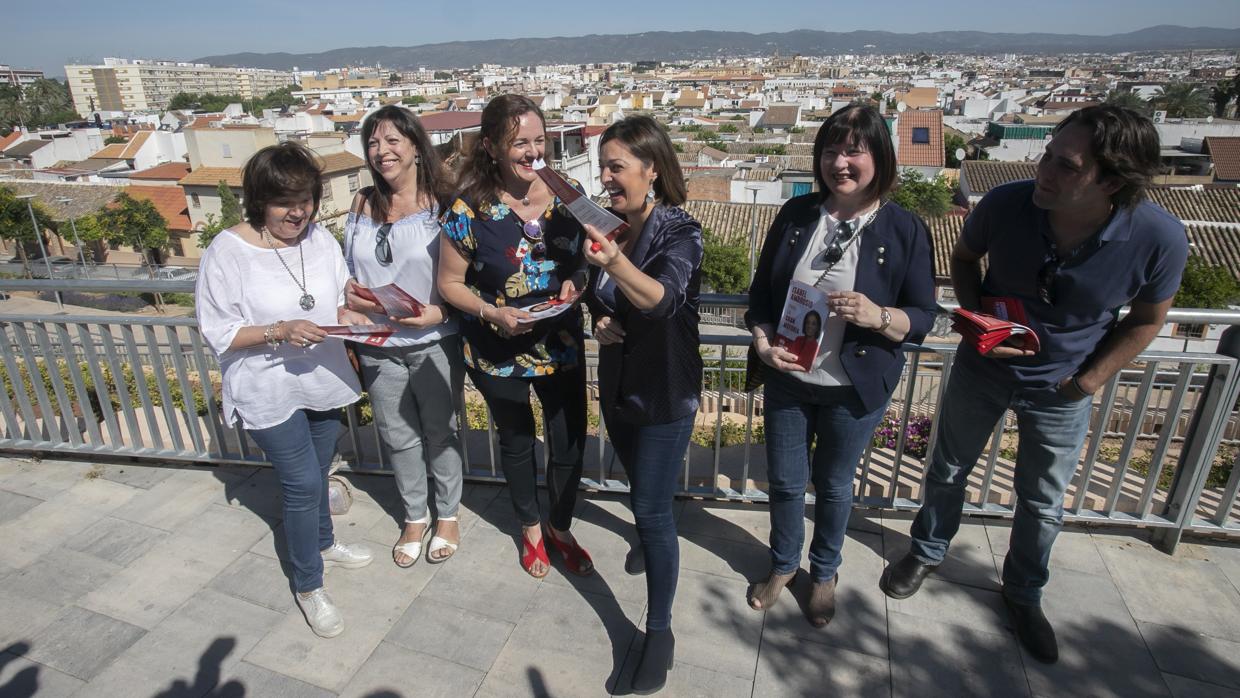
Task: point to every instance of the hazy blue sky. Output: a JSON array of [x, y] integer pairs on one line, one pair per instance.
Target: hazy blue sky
[[48, 35]]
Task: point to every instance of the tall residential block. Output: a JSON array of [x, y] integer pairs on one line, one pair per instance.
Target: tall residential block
[[125, 85]]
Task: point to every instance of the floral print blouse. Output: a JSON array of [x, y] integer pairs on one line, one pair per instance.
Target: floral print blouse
[[509, 267]]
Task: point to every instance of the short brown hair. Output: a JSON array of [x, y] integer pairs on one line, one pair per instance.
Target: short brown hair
[[1125, 145], [858, 124], [648, 142], [278, 173]]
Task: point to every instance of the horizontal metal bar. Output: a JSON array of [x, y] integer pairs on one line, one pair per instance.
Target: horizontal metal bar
[[99, 285]]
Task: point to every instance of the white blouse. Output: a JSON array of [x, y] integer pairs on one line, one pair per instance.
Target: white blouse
[[414, 240], [827, 369], [241, 285]]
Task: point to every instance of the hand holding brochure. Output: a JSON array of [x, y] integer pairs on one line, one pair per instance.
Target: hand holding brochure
[[550, 308], [392, 300], [802, 322], [583, 209], [1001, 319], [374, 335]]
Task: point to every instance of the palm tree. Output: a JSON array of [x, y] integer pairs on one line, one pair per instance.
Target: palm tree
[[1129, 100], [1183, 100]]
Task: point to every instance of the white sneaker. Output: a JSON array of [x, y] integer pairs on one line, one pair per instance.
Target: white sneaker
[[321, 613], [347, 556]]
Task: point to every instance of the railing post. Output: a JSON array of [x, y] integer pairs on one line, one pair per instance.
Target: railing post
[[1214, 406]]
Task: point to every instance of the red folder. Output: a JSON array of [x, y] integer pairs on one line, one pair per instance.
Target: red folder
[[1002, 319]]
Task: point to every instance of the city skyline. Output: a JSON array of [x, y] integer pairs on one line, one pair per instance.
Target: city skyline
[[128, 29]]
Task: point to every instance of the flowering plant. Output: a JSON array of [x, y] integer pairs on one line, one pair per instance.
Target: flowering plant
[[916, 434]]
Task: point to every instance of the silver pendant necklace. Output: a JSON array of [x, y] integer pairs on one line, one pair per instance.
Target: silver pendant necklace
[[307, 300]]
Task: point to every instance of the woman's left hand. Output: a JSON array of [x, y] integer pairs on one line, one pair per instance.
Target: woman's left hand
[[568, 289], [344, 316], [855, 308], [608, 251], [431, 315]]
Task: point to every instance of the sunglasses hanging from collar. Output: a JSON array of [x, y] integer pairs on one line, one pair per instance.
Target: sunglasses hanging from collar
[[845, 235]]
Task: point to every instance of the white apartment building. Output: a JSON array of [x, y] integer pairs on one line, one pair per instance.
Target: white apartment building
[[122, 85]]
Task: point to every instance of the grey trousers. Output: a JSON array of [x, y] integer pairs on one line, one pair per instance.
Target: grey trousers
[[414, 392]]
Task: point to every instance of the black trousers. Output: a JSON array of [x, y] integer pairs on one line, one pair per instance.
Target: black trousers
[[563, 398]]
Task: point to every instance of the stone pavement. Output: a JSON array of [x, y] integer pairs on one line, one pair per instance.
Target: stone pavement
[[139, 580]]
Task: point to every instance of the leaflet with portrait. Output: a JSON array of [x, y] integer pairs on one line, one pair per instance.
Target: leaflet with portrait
[[802, 323]]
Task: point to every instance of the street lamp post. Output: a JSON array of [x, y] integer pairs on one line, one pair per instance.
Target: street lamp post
[[753, 229], [76, 240], [38, 236]]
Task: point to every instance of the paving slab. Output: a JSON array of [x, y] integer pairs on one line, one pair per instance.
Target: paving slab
[[1144, 575], [964, 605], [117, 541], [936, 658], [742, 523], [189, 650], [21, 677], [260, 492], [393, 670], [791, 668], [61, 577], [81, 643], [45, 527], [454, 634], [1223, 554], [723, 557], [485, 554], [45, 479], [1194, 655], [259, 580], [245, 679], [969, 558], [156, 584], [370, 599], [175, 502], [568, 642], [23, 615], [688, 681], [13, 505], [1074, 548], [1182, 687], [714, 625], [608, 550], [142, 476]]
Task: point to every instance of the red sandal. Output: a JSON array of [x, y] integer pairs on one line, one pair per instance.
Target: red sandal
[[576, 559], [531, 553]]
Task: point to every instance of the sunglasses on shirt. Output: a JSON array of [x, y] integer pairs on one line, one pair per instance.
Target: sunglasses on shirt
[[383, 247], [835, 251]]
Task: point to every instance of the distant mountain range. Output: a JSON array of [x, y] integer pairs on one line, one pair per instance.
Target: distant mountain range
[[676, 46]]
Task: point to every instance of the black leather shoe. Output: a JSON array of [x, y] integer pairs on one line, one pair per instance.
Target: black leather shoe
[[903, 578], [1033, 630], [635, 560], [656, 661]]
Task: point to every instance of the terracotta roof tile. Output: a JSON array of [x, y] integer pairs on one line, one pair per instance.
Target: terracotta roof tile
[[212, 176], [928, 154], [1209, 204], [83, 198], [169, 201], [1225, 152], [451, 120], [983, 175], [6, 141], [170, 170], [113, 151], [731, 221], [341, 162]]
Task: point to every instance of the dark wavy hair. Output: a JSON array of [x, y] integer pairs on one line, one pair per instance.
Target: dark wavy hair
[[430, 172], [480, 179], [858, 125], [648, 142], [280, 173], [1124, 144]]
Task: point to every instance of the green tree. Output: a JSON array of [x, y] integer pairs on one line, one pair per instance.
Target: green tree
[[725, 268], [1183, 100], [928, 198], [1130, 100], [13, 111], [134, 223], [1206, 285], [110, 140], [728, 128], [182, 100], [230, 215], [413, 100], [1223, 93], [952, 143], [15, 223], [441, 75], [49, 102]]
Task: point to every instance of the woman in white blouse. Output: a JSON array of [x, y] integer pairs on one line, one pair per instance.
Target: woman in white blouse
[[414, 380], [265, 287]]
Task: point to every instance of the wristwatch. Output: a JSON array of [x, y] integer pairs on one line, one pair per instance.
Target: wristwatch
[[885, 316]]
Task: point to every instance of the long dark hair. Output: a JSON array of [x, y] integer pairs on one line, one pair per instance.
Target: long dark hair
[[649, 143], [858, 125], [430, 172], [480, 178]]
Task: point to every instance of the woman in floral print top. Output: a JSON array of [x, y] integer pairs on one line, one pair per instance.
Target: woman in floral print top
[[509, 244]]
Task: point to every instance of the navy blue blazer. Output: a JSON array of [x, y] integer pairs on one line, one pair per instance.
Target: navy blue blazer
[[655, 375], [895, 269]]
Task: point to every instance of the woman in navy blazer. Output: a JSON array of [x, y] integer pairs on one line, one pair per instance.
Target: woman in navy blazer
[[873, 258], [643, 297]]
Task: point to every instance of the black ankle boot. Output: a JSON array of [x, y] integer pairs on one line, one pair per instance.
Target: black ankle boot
[[903, 578], [655, 662]]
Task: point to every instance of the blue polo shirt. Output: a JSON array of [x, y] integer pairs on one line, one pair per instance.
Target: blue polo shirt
[[1140, 255]]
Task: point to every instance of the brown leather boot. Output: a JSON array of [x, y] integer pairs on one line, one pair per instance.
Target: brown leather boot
[[763, 595], [821, 607]]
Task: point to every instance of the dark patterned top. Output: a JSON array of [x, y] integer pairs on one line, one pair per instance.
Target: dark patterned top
[[509, 268]]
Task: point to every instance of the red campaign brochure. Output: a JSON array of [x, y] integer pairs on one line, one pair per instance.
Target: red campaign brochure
[[375, 335], [393, 299], [1002, 318], [802, 323], [582, 208]]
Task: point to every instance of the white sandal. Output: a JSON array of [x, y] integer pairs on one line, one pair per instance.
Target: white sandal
[[412, 549], [438, 544]]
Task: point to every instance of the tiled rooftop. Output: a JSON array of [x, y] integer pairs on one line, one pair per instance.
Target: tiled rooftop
[[169, 201], [142, 580], [212, 176], [912, 153], [1225, 153]]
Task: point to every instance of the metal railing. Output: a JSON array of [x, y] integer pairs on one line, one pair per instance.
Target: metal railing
[[146, 387]]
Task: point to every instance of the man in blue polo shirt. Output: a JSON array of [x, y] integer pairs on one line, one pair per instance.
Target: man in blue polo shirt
[[1073, 246]]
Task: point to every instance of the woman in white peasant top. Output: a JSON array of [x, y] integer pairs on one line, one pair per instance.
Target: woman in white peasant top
[[265, 288], [415, 379]]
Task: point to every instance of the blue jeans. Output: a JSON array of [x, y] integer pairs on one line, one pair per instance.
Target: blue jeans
[[301, 449], [652, 455], [835, 419], [1052, 430]]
